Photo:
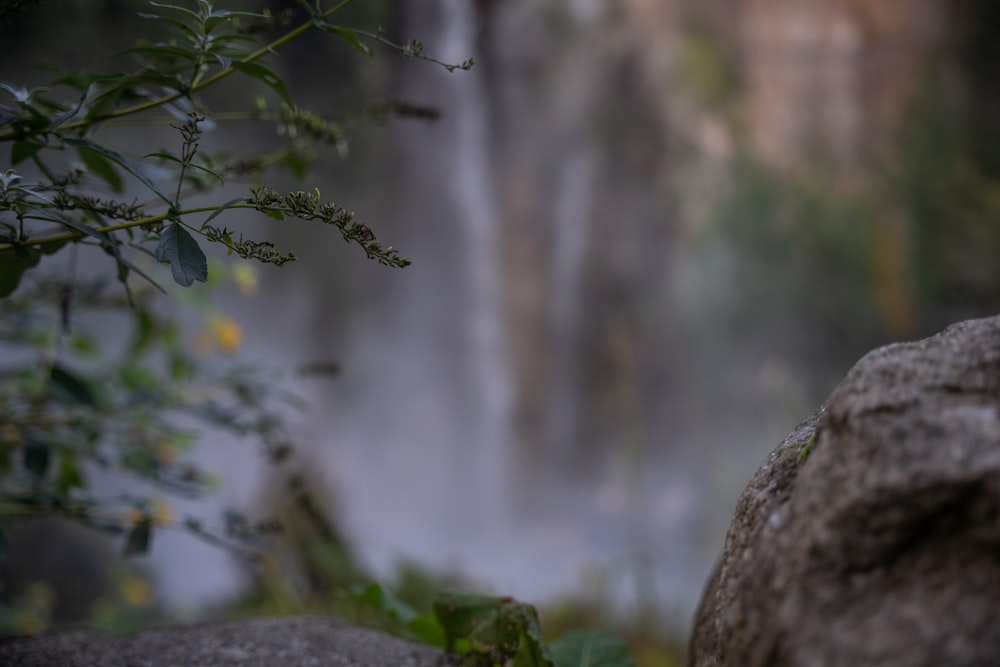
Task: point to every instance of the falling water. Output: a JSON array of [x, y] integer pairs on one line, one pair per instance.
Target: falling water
[[421, 451], [574, 185], [475, 209]]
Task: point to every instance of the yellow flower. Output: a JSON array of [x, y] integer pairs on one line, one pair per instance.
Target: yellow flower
[[133, 517], [10, 435], [162, 514], [28, 623], [229, 335], [137, 592], [221, 332]]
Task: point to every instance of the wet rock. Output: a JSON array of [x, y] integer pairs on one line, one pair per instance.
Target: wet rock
[[871, 535], [288, 642]]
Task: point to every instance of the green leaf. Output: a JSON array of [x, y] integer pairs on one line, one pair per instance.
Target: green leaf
[[139, 538], [296, 165], [428, 629], [424, 626], [13, 264], [187, 261], [224, 16], [350, 36], [262, 73], [22, 150], [21, 95], [68, 387], [68, 476], [134, 167], [82, 79], [180, 368], [167, 157], [590, 649], [377, 597], [82, 108], [102, 167], [144, 331], [161, 51], [5, 452], [139, 380], [180, 10], [233, 43], [223, 207], [501, 629], [153, 77], [181, 27], [36, 458], [124, 266], [83, 344]]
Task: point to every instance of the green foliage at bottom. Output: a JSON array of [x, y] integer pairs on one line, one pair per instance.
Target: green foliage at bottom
[[590, 649], [491, 631]]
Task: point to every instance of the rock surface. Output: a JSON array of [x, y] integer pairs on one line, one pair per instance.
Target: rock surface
[[880, 543], [269, 642]]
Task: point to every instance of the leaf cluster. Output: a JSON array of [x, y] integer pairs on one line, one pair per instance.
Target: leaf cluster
[[67, 176], [136, 413], [491, 631], [69, 405]]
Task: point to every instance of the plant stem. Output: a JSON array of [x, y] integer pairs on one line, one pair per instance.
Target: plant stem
[[70, 236]]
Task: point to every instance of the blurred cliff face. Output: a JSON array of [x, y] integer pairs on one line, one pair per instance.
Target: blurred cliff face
[[655, 169]]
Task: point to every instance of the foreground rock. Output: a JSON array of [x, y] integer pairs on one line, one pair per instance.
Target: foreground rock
[[284, 642], [880, 543]]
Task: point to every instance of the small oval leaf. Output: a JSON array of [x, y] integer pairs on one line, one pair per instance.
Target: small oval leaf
[[68, 387], [182, 252], [137, 542]]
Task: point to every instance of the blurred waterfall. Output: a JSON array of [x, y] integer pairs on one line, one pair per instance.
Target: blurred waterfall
[[421, 451], [470, 182], [493, 415], [648, 237]]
